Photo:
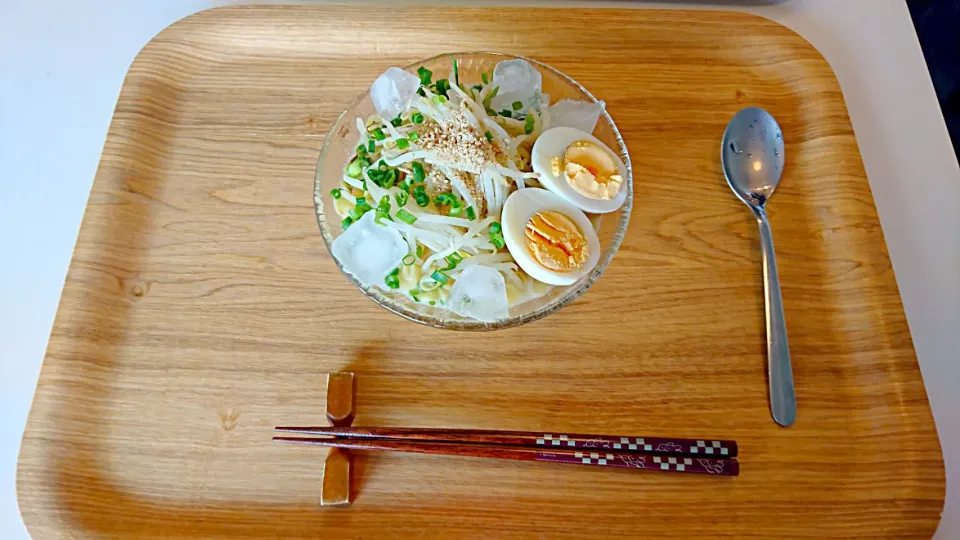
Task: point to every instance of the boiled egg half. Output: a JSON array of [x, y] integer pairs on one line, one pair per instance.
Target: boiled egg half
[[579, 168], [550, 238]]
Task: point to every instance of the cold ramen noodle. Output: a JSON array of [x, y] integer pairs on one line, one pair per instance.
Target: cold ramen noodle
[[471, 195]]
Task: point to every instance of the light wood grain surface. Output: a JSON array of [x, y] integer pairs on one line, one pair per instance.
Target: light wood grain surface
[[201, 308]]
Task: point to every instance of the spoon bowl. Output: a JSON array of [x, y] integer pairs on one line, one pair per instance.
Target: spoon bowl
[[752, 159], [752, 155]]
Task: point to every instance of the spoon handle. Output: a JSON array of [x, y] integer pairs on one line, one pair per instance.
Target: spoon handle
[[783, 401]]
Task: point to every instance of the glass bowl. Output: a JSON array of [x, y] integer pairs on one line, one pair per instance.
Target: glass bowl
[[339, 147]]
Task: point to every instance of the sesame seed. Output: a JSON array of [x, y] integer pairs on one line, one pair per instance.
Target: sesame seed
[[457, 143]]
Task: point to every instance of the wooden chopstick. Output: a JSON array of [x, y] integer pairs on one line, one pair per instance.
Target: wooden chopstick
[[602, 458], [705, 448]]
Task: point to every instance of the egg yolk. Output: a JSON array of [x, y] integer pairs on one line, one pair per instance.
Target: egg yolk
[[555, 242], [590, 170]]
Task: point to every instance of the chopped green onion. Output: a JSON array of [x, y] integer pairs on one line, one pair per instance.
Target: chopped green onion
[[432, 303], [402, 198], [354, 169], [409, 259], [489, 111], [378, 134], [505, 113], [364, 163], [371, 146], [392, 281], [418, 174], [403, 185], [439, 276], [529, 124], [477, 87], [439, 100], [415, 293], [403, 144], [416, 118], [425, 75], [419, 251], [495, 227], [443, 86], [397, 121], [347, 221], [488, 135], [420, 195], [456, 70], [517, 105], [384, 201], [452, 261], [390, 178], [381, 215], [491, 95], [455, 211], [335, 193], [497, 240], [471, 213], [361, 150], [406, 217], [361, 208], [483, 77], [382, 165], [444, 199], [355, 214], [395, 271], [413, 136]]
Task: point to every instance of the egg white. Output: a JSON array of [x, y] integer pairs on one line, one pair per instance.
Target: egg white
[[521, 205], [553, 143]]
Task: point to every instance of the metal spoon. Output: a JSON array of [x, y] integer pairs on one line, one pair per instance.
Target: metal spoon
[[752, 158]]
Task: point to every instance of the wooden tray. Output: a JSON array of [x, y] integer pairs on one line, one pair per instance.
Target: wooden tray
[[201, 307]]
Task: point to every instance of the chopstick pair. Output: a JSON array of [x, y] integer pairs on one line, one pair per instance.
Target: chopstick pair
[[658, 453]]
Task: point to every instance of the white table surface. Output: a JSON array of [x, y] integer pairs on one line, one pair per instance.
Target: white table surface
[[62, 63]]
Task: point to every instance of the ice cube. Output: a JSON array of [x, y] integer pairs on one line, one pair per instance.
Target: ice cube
[[392, 91], [544, 100], [581, 115], [369, 251], [518, 81], [516, 75], [480, 292]]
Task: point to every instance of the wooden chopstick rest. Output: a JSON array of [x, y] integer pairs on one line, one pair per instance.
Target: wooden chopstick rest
[[340, 399], [335, 490]]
